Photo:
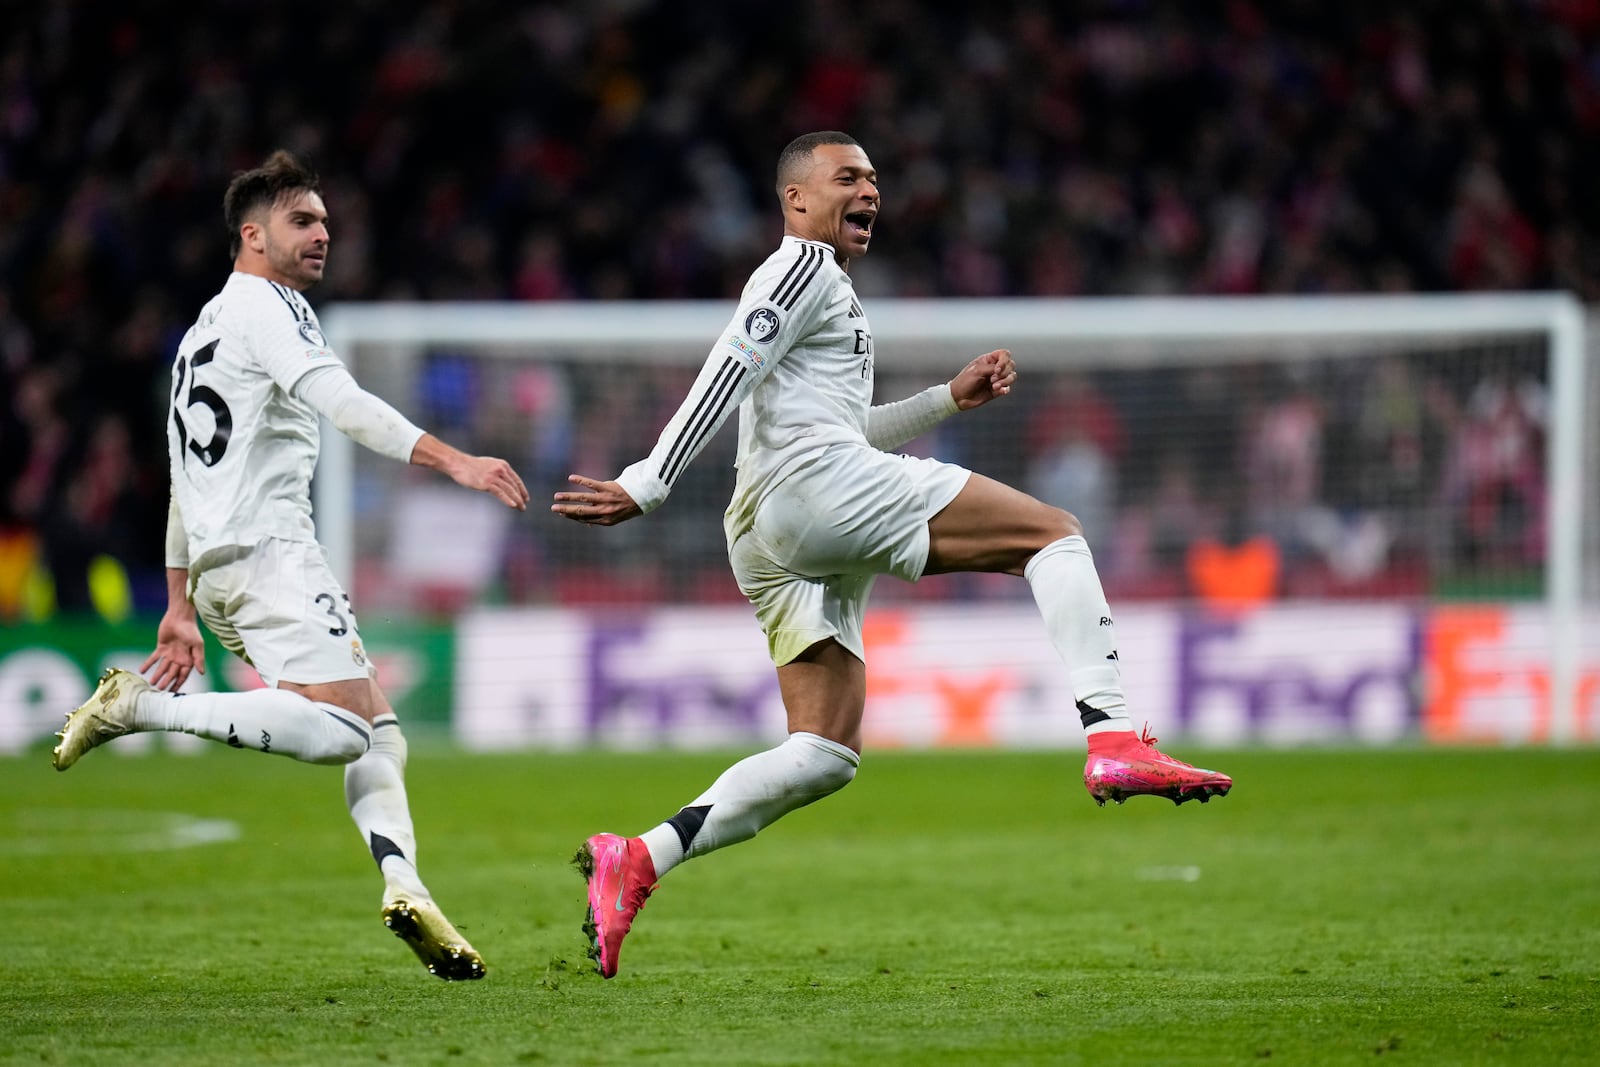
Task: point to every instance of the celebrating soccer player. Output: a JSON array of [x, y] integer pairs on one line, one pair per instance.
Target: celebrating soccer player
[[820, 508], [250, 379]]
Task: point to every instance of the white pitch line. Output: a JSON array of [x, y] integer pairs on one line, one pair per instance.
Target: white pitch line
[[1180, 873], [50, 832]]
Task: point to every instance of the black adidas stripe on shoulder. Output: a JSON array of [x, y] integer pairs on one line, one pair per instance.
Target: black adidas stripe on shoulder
[[801, 271], [707, 414], [297, 305]]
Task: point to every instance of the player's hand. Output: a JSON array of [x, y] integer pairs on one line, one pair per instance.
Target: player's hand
[[597, 503], [493, 476], [180, 650], [988, 376]]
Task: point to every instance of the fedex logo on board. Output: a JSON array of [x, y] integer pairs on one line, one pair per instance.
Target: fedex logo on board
[[1302, 676]]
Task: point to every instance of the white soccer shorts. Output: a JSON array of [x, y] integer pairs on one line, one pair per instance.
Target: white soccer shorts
[[827, 531], [279, 607]]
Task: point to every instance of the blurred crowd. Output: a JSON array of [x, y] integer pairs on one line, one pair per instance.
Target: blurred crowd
[[1413, 471], [623, 149]]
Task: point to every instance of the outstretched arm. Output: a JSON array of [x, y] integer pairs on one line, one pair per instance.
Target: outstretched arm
[[369, 421], [483, 473], [730, 372], [598, 504], [782, 303]]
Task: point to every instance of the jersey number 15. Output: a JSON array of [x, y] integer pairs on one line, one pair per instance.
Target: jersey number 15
[[212, 451]]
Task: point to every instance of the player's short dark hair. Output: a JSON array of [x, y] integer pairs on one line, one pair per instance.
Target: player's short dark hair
[[795, 159], [282, 176]]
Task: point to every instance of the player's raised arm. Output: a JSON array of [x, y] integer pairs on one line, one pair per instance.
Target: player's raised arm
[[891, 425], [990, 375]]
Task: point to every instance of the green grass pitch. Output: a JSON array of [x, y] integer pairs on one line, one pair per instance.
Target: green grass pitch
[[1341, 907]]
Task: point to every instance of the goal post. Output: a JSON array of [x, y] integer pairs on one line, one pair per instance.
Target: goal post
[[927, 338]]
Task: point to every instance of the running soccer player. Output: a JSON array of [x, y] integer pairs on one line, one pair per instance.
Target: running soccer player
[[819, 509], [249, 381]]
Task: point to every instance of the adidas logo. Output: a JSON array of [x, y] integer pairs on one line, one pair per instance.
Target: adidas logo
[[233, 738]]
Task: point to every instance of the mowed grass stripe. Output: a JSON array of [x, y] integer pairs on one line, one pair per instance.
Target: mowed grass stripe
[[1406, 905]]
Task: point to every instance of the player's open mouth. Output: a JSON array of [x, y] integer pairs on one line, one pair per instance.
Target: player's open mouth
[[861, 222]]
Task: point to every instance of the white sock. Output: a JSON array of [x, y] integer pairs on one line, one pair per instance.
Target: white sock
[[754, 793], [278, 721], [375, 791], [1078, 620]]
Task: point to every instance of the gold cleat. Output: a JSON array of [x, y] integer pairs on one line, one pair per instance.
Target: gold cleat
[[420, 924], [107, 714]]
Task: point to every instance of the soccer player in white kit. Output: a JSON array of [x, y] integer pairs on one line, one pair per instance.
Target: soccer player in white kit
[[249, 381], [820, 509]]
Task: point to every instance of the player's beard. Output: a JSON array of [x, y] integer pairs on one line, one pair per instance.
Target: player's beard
[[287, 262]]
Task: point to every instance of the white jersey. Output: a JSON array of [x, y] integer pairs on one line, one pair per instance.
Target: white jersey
[[241, 447], [796, 360]]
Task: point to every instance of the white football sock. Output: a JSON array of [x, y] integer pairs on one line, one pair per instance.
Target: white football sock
[[375, 791], [278, 721], [1078, 620], [754, 793]]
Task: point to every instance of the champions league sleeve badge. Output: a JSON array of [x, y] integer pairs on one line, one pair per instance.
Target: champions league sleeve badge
[[761, 325]]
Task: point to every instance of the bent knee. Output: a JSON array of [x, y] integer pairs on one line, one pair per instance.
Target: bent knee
[[1062, 523], [825, 766], [1047, 524], [1043, 524], [342, 752], [837, 775], [345, 737]]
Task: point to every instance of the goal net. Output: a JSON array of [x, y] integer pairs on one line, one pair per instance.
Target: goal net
[[1317, 518]]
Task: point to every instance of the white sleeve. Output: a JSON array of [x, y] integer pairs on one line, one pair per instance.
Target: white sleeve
[[177, 556], [765, 327], [284, 336], [358, 414], [724, 381], [891, 425]]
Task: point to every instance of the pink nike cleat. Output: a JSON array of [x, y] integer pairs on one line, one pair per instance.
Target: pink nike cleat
[[621, 877], [1122, 765]]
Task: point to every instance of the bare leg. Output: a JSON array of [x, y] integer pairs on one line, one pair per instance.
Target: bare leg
[[993, 527], [824, 692]]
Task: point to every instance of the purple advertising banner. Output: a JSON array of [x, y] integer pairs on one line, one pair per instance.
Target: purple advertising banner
[[1362, 673]]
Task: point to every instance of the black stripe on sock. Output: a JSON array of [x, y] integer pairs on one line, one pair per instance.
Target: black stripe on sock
[[383, 848], [1089, 715], [688, 822]]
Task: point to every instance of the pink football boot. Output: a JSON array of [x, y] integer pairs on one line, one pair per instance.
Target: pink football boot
[[621, 877], [1123, 764]]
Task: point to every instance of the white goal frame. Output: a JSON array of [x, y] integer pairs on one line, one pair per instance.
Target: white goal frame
[[940, 334]]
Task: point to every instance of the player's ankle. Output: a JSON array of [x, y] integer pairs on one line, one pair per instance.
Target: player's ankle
[[1111, 740], [400, 878], [154, 711]]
